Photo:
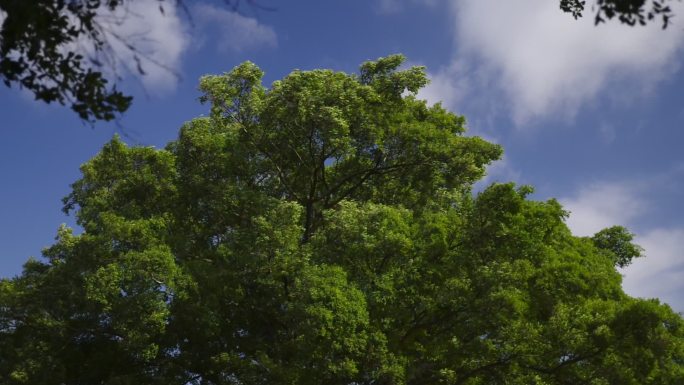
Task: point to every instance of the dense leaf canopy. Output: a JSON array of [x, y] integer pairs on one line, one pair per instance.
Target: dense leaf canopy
[[323, 231]]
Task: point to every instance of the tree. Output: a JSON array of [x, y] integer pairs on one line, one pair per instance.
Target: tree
[[39, 51], [323, 230], [617, 241], [630, 12]]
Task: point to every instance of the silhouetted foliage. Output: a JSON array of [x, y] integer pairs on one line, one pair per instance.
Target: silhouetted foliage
[[630, 12], [39, 51]]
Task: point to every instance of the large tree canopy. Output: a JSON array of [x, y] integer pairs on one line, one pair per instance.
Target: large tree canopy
[[323, 231]]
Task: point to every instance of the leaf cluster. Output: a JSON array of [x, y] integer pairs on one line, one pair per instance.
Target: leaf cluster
[[37, 40], [630, 12]]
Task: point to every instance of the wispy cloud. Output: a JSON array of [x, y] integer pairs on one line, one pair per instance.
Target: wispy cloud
[[547, 64], [232, 31], [629, 203], [600, 205], [394, 6], [159, 38], [500, 171], [447, 86], [660, 274], [141, 38]]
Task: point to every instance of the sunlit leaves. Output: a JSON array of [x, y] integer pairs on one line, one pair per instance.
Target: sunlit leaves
[[323, 231]]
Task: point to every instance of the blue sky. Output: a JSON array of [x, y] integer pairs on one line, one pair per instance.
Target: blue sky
[[592, 116]]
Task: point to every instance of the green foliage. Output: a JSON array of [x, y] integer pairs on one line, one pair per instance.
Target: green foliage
[[323, 230], [617, 241]]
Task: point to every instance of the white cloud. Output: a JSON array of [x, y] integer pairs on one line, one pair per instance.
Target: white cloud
[[137, 36], [548, 64], [235, 32], [661, 273], [600, 205], [447, 86], [159, 40]]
